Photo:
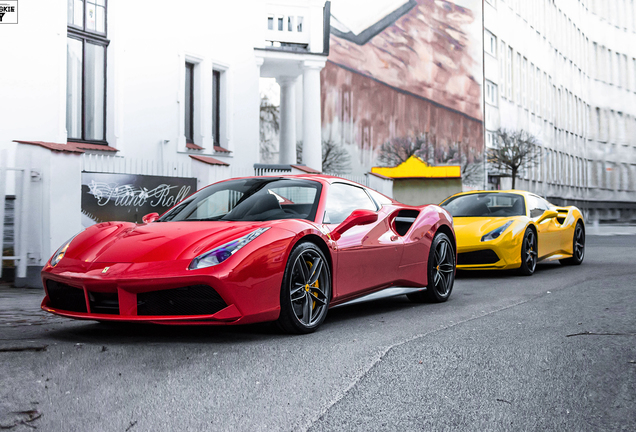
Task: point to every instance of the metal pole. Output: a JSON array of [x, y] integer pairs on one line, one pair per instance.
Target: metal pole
[[22, 238], [3, 191]]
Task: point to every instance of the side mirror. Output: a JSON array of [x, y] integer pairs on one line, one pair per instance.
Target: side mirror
[[548, 214], [358, 217], [150, 218]]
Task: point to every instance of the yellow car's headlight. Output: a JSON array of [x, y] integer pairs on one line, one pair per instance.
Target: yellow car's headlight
[[496, 232]]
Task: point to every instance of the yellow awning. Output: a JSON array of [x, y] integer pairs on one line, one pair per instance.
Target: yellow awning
[[414, 167]]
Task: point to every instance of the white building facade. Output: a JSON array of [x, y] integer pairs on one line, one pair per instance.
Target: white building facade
[[565, 70], [149, 88]]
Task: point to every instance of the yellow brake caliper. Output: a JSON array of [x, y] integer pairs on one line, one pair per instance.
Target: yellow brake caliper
[[315, 285]]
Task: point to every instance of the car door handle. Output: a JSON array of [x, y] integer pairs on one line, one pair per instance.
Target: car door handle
[[394, 238]]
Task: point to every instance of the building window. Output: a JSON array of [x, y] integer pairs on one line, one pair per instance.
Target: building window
[[280, 23], [537, 91], [216, 107], [594, 66], [270, 22], [87, 15], [290, 24], [627, 75], [491, 140], [618, 78], [86, 71], [517, 80], [509, 76], [552, 95], [502, 68], [545, 89], [524, 83], [491, 93], [531, 87], [490, 43], [299, 24], [189, 102], [610, 73]]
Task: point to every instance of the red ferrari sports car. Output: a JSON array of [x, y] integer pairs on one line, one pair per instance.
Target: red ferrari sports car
[[255, 249]]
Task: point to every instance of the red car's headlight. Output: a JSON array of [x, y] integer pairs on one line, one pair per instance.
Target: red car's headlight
[[221, 253], [59, 254]]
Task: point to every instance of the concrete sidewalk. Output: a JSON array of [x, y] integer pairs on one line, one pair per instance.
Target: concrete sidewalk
[[609, 230]]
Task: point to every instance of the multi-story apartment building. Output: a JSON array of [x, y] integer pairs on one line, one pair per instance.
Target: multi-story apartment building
[[565, 70]]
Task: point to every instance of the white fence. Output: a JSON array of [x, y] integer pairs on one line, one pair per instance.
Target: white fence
[[210, 174], [362, 179], [121, 165], [17, 239]]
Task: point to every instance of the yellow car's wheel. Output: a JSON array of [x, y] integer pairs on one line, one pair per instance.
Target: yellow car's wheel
[[578, 246], [528, 253]]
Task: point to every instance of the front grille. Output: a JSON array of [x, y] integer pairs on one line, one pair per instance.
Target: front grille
[[103, 303], [485, 256], [66, 297], [189, 300]]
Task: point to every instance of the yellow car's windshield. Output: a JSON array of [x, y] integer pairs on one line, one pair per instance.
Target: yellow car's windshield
[[486, 205]]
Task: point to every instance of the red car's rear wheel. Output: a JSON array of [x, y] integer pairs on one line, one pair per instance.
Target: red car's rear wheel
[[441, 272]]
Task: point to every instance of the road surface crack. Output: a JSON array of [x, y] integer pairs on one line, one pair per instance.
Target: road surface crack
[[381, 355], [388, 349], [588, 333]]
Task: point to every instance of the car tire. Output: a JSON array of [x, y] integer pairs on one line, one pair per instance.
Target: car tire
[[528, 253], [304, 295], [578, 246], [440, 270]]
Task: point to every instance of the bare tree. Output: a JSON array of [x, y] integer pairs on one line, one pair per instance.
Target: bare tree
[[299, 152], [472, 173], [398, 150], [269, 128], [335, 158], [514, 150], [471, 166]]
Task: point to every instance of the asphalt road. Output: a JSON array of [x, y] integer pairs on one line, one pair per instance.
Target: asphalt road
[[555, 351]]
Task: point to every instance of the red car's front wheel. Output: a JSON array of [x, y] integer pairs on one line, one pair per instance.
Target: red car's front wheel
[[306, 290]]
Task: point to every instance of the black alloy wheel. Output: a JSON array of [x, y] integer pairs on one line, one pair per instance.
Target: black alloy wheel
[[306, 290], [578, 246], [528, 253], [441, 272]]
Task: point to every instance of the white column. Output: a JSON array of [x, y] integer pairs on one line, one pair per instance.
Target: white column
[[299, 107], [287, 146], [312, 139]]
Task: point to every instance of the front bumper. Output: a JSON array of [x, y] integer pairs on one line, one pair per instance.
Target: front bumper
[[502, 253], [135, 293]]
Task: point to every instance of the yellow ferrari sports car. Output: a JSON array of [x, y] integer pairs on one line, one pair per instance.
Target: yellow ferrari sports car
[[514, 229]]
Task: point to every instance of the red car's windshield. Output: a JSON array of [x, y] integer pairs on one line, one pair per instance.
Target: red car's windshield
[[252, 199]]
